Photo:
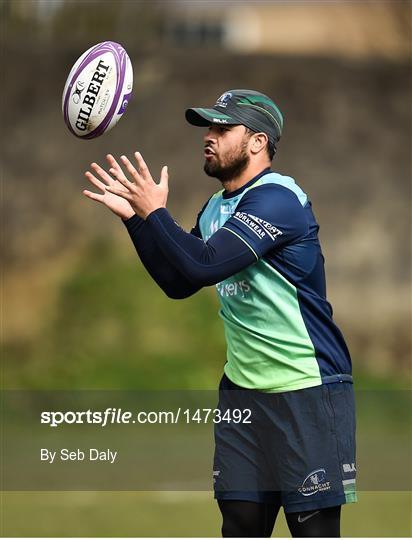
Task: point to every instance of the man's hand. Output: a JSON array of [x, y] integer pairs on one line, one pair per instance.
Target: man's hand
[[116, 204], [141, 192]]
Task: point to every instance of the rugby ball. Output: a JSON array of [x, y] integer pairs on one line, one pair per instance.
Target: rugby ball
[[97, 90]]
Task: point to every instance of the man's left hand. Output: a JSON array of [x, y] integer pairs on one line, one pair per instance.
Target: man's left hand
[[142, 192]]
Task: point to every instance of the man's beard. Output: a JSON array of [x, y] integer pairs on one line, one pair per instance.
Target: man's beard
[[234, 166]]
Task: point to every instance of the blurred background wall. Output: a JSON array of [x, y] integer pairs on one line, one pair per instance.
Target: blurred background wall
[[78, 310]]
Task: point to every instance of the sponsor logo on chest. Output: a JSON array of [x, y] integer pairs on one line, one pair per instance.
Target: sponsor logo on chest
[[233, 288]]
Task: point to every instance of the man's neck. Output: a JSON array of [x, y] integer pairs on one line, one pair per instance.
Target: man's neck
[[246, 176]]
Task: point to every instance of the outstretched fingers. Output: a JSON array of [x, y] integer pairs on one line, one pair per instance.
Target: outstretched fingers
[[115, 167], [164, 177], [143, 168], [136, 176], [94, 196], [106, 179], [103, 186], [120, 192], [95, 181]]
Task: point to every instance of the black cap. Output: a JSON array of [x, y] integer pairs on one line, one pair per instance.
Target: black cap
[[247, 107]]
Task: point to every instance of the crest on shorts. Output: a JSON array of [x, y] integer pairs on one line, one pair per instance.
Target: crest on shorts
[[315, 482]]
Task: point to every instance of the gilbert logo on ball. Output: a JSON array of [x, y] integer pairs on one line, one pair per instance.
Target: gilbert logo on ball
[[97, 90]]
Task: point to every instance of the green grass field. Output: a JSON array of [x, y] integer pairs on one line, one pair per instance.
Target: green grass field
[[172, 514]]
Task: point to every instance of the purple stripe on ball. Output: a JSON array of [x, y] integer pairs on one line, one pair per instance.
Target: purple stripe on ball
[[120, 59], [125, 102], [120, 55]]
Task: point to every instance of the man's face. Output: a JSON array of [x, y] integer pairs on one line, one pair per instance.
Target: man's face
[[226, 151]]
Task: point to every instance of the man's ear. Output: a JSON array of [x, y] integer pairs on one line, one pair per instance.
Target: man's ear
[[258, 142]]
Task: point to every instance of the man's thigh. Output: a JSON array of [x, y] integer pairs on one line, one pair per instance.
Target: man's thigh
[[315, 458], [248, 519], [241, 470], [299, 443]]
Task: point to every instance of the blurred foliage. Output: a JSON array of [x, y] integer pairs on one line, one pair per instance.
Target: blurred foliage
[[113, 328]]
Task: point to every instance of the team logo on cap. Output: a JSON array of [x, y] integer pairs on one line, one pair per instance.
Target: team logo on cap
[[223, 100]]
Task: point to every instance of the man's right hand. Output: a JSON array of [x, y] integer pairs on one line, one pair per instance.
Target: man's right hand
[[116, 204]]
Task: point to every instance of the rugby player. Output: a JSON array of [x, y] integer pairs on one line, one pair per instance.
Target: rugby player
[[257, 241]]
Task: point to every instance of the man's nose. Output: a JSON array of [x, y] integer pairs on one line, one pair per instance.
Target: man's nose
[[209, 136]]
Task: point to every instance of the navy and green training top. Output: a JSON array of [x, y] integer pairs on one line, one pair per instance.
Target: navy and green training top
[[259, 245]]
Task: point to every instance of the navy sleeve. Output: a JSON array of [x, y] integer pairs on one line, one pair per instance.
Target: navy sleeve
[[196, 229], [171, 281], [203, 263], [268, 217]]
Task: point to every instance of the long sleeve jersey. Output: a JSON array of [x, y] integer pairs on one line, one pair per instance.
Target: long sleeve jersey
[[259, 246]]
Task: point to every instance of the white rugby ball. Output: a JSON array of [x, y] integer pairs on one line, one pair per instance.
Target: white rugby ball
[[97, 90]]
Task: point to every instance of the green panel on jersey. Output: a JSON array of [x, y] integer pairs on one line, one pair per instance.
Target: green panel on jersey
[[268, 345]]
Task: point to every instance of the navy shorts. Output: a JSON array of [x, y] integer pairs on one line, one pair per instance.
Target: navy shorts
[[296, 448]]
